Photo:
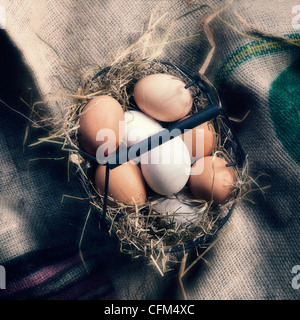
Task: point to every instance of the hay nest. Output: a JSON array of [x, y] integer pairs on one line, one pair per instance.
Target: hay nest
[[143, 230]]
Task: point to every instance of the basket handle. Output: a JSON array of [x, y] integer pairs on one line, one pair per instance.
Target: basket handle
[[123, 155]]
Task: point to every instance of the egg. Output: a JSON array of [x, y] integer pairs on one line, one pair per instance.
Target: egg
[[200, 140], [139, 126], [99, 125], [167, 167], [126, 183], [163, 97], [211, 180], [177, 208]]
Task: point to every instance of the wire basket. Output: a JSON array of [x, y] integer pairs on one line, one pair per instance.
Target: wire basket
[[212, 112]]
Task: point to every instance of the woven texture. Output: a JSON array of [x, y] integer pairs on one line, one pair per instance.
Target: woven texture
[[40, 219]]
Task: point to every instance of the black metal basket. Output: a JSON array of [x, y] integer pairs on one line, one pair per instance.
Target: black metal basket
[[213, 110]]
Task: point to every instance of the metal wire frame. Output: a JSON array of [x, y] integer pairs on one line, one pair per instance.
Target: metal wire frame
[[213, 110]]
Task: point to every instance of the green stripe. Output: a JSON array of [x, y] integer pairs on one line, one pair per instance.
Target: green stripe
[[253, 49], [284, 103]]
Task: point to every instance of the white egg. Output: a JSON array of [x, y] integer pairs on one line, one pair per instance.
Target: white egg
[[167, 167], [139, 126], [178, 208]]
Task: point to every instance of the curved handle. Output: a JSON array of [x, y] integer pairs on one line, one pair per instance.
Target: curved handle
[[123, 155]]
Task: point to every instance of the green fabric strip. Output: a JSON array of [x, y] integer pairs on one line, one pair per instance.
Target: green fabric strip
[[253, 49], [284, 104]]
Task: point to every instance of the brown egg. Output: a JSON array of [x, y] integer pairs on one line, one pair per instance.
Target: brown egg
[[215, 182], [126, 183], [102, 113], [163, 97], [192, 137]]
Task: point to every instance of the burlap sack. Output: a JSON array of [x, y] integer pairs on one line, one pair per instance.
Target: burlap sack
[[39, 233]]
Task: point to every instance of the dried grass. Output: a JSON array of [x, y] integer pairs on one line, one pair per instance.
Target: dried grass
[[141, 230]]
